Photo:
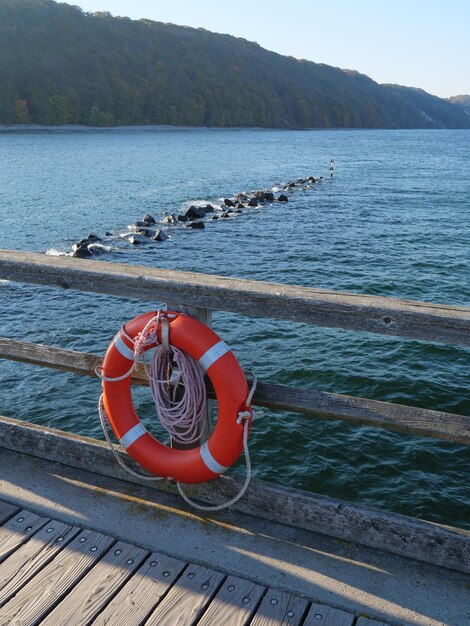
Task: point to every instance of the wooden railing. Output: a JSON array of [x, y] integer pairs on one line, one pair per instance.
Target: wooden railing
[[388, 316]]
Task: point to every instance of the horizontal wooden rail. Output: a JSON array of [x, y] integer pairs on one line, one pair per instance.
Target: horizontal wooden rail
[[388, 316], [396, 417], [414, 538]]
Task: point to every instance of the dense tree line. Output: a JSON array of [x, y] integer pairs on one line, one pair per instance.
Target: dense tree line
[[60, 65]]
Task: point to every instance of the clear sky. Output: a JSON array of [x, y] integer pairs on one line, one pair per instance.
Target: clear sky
[[417, 43]]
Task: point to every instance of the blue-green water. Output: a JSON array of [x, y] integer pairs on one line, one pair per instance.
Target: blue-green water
[[394, 221]]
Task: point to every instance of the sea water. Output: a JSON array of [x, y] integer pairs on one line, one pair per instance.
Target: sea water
[[394, 220]]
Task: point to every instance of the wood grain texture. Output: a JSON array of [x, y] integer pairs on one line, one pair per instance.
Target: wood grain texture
[[32, 556], [389, 316], [141, 594], [395, 417], [7, 511], [365, 621], [323, 615], [414, 538], [43, 592], [92, 593], [187, 598], [235, 603], [279, 608], [17, 530]]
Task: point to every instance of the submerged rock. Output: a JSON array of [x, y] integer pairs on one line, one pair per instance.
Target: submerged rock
[[148, 219], [81, 251], [229, 202], [144, 232], [84, 242], [195, 225], [160, 235], [194, 213], [136, 239], [282, 198]]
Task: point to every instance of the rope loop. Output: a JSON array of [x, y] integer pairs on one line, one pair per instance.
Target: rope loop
[[105, 426], [244, 416]]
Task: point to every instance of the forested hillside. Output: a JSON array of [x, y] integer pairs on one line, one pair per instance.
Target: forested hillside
[[60, 65]]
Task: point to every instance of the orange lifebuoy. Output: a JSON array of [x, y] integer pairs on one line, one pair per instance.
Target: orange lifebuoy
[[225, 444]]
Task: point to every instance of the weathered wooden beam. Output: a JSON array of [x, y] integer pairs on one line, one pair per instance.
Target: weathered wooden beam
[[49, 356], [388, 316], [396, 417], [432, 543]]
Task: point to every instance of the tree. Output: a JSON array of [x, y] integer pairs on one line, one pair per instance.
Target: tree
[[60, 65], [21, 112]]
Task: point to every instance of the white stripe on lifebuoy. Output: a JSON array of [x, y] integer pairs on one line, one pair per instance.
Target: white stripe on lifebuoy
[[123, 348], [132, 435], [213, 354], [209, 460]]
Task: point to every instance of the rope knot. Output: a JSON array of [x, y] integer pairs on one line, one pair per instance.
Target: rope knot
[[243, 415]]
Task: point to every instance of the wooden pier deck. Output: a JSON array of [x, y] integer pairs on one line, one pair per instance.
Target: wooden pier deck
[[77, 548], [54, 573]]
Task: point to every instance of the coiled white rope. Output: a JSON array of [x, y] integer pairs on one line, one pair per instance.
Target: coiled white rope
[[180, 418], [170, 370]]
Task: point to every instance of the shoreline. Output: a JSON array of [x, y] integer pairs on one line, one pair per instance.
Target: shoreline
[[165, 128]]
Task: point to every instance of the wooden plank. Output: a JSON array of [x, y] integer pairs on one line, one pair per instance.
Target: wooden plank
[[142, 592], [43, 592], [234, 604], [323, 615], [279, 608], [7, 511], [389, 316], [414, 538], [365, 621], [55, 358], [188, 598], [93, 592], [31, 557], [395, 417], [17, 530]]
